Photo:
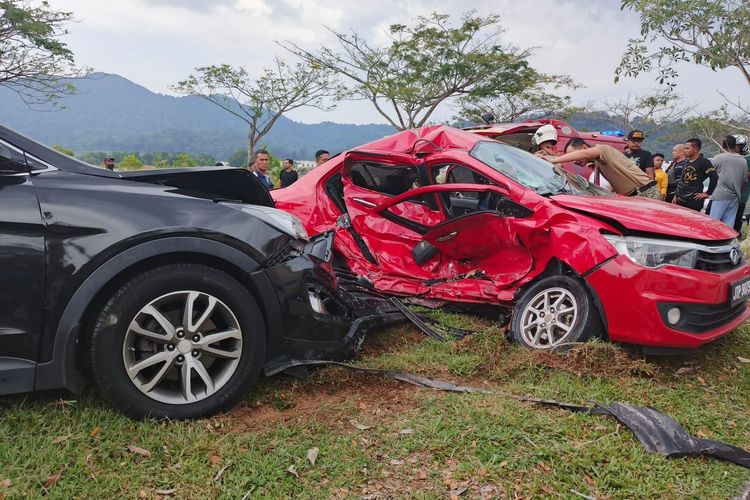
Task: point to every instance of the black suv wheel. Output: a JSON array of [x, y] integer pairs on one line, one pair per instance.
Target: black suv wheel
[[180, 341]]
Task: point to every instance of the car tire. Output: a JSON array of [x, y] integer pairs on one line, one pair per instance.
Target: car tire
[[554, 314], [180, 341]]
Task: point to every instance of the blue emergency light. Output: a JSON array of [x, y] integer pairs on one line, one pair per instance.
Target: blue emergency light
[[618, 133]]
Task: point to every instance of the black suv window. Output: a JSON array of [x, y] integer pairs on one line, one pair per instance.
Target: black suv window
[[11, 160], [384, 179]]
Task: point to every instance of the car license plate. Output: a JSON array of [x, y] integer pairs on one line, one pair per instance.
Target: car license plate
[[739, 291]]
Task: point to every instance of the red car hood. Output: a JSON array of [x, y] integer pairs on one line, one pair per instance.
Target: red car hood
[[650, 216]]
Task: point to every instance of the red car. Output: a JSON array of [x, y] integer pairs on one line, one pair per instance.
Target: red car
[[441, 213], [520, 134]]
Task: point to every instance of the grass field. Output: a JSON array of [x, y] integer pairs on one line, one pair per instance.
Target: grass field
[[377, 438]]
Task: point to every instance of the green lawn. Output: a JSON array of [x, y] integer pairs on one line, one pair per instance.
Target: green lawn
[[420, 443]]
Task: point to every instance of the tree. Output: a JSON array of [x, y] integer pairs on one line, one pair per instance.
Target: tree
[[534, 102], [183, 160], [261, 102], [424, 65], [33, 59], [239, 158], [715, 125], [712, 33], [130, 162], [648, 112], [62, 149]]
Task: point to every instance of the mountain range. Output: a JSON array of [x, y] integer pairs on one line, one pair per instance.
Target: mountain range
[[111, 113]]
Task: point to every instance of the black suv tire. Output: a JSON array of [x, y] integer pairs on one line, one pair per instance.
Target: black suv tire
[[202, 368]]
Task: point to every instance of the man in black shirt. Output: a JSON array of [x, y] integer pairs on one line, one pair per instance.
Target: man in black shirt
[[690, 186], [288, 176], [674, 172], [640, 156]]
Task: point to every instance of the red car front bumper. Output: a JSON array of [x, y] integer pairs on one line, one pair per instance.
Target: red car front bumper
[[636, 299]]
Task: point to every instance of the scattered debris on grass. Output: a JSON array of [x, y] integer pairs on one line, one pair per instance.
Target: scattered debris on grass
[[657, 432], [51, 481], [293, 471], [138, 451], [312, 455], [222, 471], [359, 426]]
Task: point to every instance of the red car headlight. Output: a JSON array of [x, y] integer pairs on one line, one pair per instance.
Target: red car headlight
[[652, 252]]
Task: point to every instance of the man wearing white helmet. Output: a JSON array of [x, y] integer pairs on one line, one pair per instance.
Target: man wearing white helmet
[[545, 139]]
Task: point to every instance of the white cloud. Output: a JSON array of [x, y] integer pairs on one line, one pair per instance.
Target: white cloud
[[159, 42]]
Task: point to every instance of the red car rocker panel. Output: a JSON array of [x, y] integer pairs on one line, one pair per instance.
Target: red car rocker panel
[[445, 214]]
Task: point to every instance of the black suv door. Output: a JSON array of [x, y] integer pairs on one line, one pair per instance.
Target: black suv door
[[21, 258]]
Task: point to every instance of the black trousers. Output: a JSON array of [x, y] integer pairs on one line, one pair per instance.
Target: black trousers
[[738, 220], [696, 205]]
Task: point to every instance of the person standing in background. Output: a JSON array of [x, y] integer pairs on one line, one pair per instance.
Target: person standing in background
[[674, 171], [109, 163], [288, 175], [321, 156], [661, 177], [260, 168], [742, 150], [732, 171], [689, 191], [640, 156]]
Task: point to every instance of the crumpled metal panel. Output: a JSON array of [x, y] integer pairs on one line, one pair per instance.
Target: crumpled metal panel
[[660, 433]]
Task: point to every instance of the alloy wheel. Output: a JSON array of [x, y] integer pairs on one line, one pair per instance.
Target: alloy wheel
[[548, 318], [182, 347]]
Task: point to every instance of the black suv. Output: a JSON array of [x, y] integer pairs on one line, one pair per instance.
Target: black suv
[[171, 289]]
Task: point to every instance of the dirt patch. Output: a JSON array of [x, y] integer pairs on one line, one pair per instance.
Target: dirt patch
[[602, 359], [391, 339], [359, 396]]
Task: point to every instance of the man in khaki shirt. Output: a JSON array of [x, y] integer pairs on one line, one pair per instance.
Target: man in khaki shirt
[[620, 171]]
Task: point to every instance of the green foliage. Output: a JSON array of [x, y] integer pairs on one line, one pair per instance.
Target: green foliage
[[534, 102], [239, 158], [135, 161], [184, 160], [712, 127], [275, 164], [62, 149], [712, 33], [260, 101], [130, 162], [648, 112], [425, 64], [32, 56]]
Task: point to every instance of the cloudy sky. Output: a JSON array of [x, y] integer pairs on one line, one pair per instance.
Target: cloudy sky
[[156, 43]]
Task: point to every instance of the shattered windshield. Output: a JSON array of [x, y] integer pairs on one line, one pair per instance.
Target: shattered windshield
[[532, 172]]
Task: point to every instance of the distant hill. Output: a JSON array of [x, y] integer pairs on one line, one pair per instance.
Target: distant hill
[[111, 113]]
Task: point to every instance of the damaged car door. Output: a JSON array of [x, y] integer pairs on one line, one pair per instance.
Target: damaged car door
[[480, 240], [371, 180]]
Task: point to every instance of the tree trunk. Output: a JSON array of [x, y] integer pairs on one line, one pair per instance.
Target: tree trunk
[[250, 145]]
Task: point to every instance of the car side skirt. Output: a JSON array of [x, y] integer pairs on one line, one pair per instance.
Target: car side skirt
[[16, 375]]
